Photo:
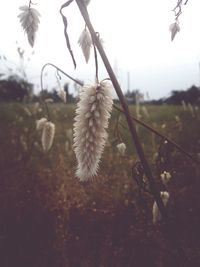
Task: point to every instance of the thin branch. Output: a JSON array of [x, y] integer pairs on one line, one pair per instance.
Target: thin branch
[[42, 89], [124, 104]]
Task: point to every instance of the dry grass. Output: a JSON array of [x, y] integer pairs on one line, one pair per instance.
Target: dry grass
[[48, 218]]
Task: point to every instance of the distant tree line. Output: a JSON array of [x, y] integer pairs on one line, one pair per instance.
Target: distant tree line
[[14, 88], [191, 95]]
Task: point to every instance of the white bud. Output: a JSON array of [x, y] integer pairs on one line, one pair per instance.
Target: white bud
[[121, 149], [155, 211], [165, 177]]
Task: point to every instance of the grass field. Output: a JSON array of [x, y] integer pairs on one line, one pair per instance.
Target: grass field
[[48, 218]]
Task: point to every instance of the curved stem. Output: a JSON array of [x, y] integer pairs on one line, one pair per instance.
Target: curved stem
[[60, 70]]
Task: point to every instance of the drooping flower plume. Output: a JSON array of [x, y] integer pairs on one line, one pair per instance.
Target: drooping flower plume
[[29, 18], [85, 42], [91, 121], [48, 133], [174, 28]]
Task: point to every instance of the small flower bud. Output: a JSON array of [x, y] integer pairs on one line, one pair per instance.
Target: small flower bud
[[121, 149]]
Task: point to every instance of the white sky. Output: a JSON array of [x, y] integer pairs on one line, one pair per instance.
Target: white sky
[[136, 39]]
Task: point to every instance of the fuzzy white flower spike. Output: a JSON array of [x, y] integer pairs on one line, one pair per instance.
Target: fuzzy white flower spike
[[85, 42], [29, 18], [92, 115]]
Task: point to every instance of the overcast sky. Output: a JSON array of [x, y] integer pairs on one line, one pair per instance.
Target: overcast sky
[[136, 39]]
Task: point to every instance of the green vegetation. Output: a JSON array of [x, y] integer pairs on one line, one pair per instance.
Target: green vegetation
[[48, 218]]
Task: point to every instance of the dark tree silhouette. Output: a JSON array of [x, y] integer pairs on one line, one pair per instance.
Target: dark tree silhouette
[[14, 89], [192, 96]]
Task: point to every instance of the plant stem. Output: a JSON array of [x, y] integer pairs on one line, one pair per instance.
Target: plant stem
[[127, 114]]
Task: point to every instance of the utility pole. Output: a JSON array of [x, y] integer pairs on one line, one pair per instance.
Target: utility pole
[[128, 81]]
